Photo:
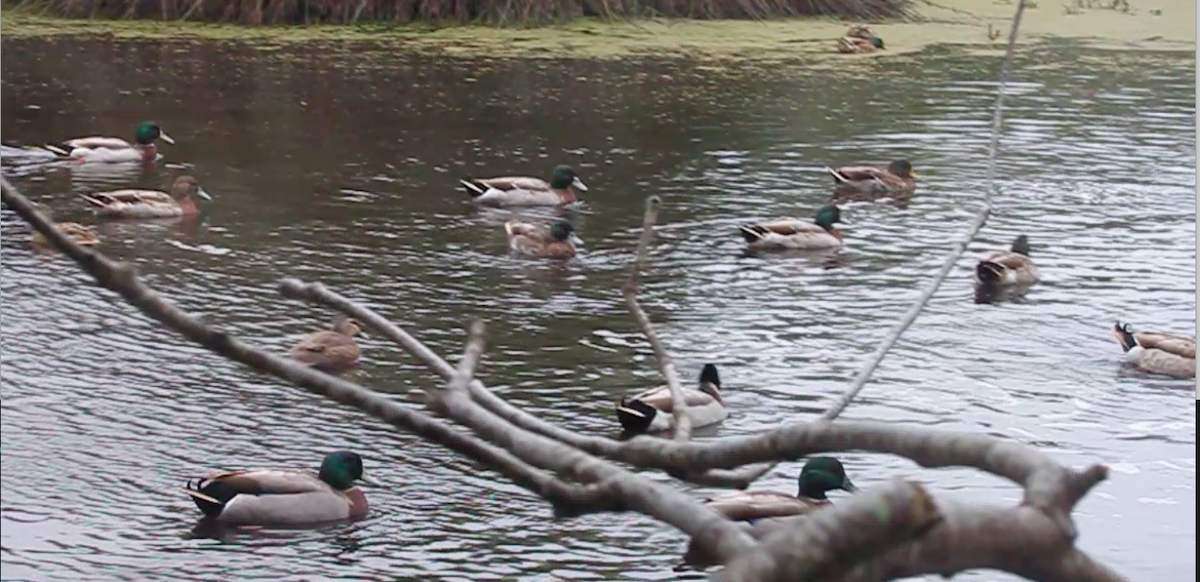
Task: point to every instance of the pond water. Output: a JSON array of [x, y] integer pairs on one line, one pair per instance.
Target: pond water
[[340, 164]]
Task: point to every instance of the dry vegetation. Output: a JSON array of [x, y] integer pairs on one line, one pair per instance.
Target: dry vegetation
[[519, 12]]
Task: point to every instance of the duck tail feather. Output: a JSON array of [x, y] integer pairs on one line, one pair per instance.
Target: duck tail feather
[[751, 232], [989, 272], [635, 416], [474, 189], [709, 375]]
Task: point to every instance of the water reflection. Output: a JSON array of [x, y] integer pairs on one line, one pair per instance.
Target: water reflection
[[339, 164]]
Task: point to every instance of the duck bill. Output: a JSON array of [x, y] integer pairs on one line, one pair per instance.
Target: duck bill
[[575, 240], [201, 193], [578, 184], [849, 487], [163, 136], [368, 480]]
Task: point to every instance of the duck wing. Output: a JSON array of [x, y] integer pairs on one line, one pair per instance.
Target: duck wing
[[98, 142], [270, 481], [1010, 260], [134, 197], [1181, 346], [536, 232], [515, 183], [660, 398], [744, 505], [858, 173], [321, 346]]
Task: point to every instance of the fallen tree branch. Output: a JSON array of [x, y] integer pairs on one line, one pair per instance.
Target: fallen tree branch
[[712, 531], [1019, 540], [831, 541], [683, 422]]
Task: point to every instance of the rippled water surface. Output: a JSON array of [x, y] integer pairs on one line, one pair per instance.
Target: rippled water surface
[[341, 166]]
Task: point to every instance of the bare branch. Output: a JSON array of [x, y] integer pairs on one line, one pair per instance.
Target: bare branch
[[960, 246], [1048, 485], [683, 422], [123, 279], [830, 541], [716, 534], [1021, 540]]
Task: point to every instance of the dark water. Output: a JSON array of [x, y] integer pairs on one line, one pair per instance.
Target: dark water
[[341, 166]]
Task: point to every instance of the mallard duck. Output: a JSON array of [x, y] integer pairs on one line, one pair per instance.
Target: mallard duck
[[819, 476], [865, 182], [860, 31], [858, 45], [536, 240], [524, 191], [285, 496], [331, 349], [791, 234], [653, 409], [1012, 267], [150, 203], [114, 149], [82, 235], [1158, 353]]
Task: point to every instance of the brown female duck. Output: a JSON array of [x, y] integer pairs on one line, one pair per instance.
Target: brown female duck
[[535, 240], [869, 182], [150, 203], [332, 349]]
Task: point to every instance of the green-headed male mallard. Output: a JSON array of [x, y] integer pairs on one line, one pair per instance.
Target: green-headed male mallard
[[819, 476], [792, 234], [867, 182], [330, 350], [1012, 267], [526, 191], [535, 240], [150, 203], [114, 149], [1158, 353], [285, 496], [653, 410]]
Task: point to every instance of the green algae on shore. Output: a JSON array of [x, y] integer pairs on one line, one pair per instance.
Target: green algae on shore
[[1168, 25]]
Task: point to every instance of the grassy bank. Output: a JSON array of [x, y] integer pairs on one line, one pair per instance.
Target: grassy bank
[[505, 12], [979, 24]]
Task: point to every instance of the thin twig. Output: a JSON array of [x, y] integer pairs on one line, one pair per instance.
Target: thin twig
[[683, 422], [960, 246]]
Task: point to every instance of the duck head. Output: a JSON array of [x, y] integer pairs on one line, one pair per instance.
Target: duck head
[[343, 470], [822, 475], [149, 131], [564, 177]]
